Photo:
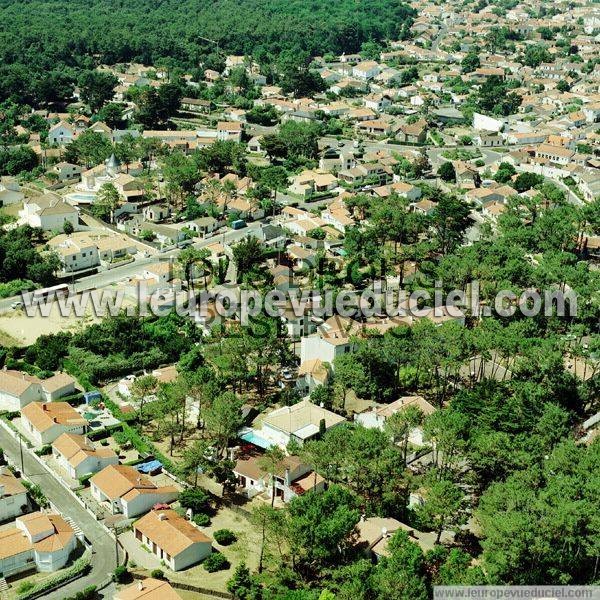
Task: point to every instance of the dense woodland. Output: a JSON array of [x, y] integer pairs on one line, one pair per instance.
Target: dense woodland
[[43, 48]]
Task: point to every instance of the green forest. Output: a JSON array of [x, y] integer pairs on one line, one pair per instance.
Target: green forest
[[57, 38]]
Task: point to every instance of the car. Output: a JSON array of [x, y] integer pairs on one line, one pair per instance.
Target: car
[[16, 305]]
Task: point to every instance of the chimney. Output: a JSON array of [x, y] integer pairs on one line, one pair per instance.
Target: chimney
[[161, 516], [139, 480], [140, 585], [288, 481], [384, 532], [55, 419]]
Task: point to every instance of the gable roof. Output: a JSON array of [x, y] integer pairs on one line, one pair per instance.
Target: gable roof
[[148, 589], [170, 532], [115, 481], [44, 415]]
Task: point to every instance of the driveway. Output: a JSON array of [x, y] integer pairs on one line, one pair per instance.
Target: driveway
[[103, 560]]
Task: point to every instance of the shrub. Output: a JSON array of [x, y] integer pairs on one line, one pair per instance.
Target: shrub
[[44, 450], [224, 537], [25, 586], [121, 574], [216, 562], [201, 519], [157, 574]]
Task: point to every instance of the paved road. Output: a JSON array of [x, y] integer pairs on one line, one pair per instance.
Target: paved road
[[106, 278], [103, 559]]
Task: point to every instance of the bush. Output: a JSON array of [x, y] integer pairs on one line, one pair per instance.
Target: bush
[[44, 450], [201, 519], [216, 562], [121, 574], [25, 586], [157, 574], [224, 537]]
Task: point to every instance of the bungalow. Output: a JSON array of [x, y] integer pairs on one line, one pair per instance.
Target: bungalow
[[377, 102], [374, 127], [203, 225], [129, 492], [78, 456], [556, 154], [45, 541], [148, 589], [46, 421], [195, 105], [229, 131], [366, 173], [13, 495], [300, 422], [75, 254], [376, 417], [488, 140], [404, 190], [172, 539]]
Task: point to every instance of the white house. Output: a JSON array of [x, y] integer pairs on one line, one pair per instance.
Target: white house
[[67, 171], [18, 389], [49, 212], [299, 422], [366, 70], [75, 254], [40, 539], [62, 133], [13, 495], [45, 421], [375, 418], [129, 492], [78, 456], [172, 539], [333, 338]]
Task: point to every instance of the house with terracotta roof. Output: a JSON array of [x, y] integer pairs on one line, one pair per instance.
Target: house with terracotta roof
[[45, 421], [293, 478], [148, 589], [62, 133], [45, 540], [128, 491], [172, 539], [78, 456], [17, 389], [13, 495]]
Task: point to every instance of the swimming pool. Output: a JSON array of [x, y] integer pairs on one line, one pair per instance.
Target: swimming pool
[[253, 438], [82, 197]]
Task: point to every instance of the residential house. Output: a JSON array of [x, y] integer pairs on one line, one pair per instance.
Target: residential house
[[367, 173], [376, 127], [366, 70], [195, 105], [377, 102], [375, 417], [41, 540], [172, 539], [75, 254], [13, 495], [400, 188], [129, 492], [203, 225], [147, 589], [49, 212], [413, 133], [230, 131], [46, 421], [10, 192], [488, 140], [61, 134], [300, 422], [309, 182], [556, 154], [67, 171], [311, 374], [18, 389], [78, 456], [292, 479], [333, 338]]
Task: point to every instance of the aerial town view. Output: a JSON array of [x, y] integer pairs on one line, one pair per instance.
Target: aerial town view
[[299, 299]]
